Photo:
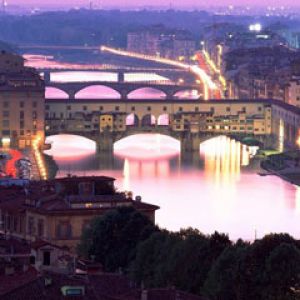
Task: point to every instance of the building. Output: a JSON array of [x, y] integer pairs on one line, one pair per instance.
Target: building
[[22, 103], [293, 91], [57, 211], [163, 42]]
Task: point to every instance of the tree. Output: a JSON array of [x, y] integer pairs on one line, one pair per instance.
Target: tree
[[113, 238], [282, 270], [225, 279]]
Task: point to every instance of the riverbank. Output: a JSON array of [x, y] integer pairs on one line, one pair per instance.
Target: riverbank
[[284, 165]]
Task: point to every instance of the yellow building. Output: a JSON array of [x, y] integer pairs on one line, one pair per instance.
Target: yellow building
[[22, 102]]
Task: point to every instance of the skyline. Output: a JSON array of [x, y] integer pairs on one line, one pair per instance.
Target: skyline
[[158, 3]]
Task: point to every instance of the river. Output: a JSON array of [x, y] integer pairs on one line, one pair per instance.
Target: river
[[217, 189]]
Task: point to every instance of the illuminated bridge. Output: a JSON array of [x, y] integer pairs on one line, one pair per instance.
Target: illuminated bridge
[[190, 121]]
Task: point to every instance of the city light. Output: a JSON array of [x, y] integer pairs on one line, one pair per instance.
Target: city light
[[255, 27], [208, 84]]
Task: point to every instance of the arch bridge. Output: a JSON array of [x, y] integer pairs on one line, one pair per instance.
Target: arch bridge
[[125, 88], [189, 121]]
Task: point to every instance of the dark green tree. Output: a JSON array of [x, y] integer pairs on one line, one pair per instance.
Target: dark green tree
[[282, 270], [112, 239], [225, 279]]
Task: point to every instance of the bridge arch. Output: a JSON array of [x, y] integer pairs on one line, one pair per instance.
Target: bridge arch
[[132, 120], [69, 146], [146, 93], [147, 146], [97, 92], [163, 120], [148, 120], [55, 93]]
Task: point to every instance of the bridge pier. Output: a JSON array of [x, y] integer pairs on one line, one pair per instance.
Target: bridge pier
[[47, 76], [71, 94], [190, 142], [105, 142], [121, 77]]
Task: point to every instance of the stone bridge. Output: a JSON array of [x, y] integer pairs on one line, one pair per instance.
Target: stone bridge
[[125, 88], [189, 142]]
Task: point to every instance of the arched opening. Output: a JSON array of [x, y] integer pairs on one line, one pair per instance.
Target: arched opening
[[55, 93], [70, 147], [148, 120], [97, 92], [132, 120], [163, 120], [147, 146], [146, 93], [187, 94], [83, 76], [140, 77]]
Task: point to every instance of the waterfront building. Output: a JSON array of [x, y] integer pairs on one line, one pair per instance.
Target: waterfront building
[[57, 211], [163, 42], [22, 102]]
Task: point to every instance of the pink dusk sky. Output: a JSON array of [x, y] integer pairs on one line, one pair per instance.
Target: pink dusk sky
[[178, 3]]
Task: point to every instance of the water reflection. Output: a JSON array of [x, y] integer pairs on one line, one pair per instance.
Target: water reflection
[[215, 189]]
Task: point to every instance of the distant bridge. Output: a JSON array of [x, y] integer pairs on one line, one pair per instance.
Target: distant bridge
[[174, 74], [125, 88], [57, 47]]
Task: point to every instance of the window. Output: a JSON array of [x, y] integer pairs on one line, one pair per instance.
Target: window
[[101, 108], [5, 113], [22, 124], [84, 107], [47, 107], [30, 225], [69, 107], [21, 132], [259, 108], [21, 114], [117, 108], [34, 115], [133, 108], [228, 109], [5, 132], [40, 228], [5, 123], [64, 230], [149, 108], [22, 104], [197, 109], [34, 104], [6, 104], [180, 108], [164, 108]]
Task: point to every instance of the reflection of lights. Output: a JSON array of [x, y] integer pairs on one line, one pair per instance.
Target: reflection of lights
[[298, 141], [147, 147], [224, 157], [36, 144], [281, 135]]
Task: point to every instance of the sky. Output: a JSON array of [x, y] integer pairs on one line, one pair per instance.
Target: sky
[[175, 3]]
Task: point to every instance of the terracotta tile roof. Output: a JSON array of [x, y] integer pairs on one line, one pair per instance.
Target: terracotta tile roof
[[9, 283]]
